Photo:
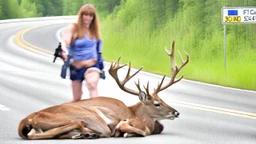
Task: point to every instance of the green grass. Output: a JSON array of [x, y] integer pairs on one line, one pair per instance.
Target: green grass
[[136, 44], [237, 74]]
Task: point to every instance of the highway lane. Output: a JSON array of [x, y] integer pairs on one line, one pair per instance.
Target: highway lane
[[29, 81]]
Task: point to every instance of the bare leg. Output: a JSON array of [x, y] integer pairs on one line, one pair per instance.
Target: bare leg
[[92, 77], [77, 90]]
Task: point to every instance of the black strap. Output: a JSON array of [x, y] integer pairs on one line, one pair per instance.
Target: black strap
[[101, 65], [98, 50]]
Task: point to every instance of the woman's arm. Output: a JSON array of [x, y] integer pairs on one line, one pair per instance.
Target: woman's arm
[[66, 40]]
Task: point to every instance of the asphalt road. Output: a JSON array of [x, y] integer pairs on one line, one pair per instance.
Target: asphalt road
[[29, 81]]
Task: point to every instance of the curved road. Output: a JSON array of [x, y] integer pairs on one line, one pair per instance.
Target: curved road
[[29, 81]]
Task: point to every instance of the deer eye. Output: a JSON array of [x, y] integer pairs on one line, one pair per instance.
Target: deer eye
[[157, 105]]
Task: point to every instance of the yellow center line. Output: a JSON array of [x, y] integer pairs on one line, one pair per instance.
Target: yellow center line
[[216, 109], [19, 39]]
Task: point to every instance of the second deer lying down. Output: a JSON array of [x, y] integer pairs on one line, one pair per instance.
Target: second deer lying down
[[104, 116]]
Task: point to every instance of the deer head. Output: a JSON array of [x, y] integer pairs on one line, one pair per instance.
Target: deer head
[[153, 104]]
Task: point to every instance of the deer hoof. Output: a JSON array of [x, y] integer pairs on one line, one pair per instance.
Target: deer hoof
[[31, 134], [91, 135], [78, 136], [126, 135]]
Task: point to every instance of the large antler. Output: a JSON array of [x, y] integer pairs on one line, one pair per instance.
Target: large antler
[[113, 72], [175, 70]]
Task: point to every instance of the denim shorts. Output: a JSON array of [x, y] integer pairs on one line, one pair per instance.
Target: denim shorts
[[78, 74]]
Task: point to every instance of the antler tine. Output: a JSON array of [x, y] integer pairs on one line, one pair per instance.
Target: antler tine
[[182, 65], [174, 69], [159, 85], [128, 76], [113, 72], [147, 88], [116, 64], [181, 59], [138, 85]]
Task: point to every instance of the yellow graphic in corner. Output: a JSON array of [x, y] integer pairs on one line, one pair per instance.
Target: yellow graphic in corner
[[232, 19]]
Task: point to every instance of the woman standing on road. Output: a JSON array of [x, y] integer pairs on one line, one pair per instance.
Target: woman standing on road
[[80, 41]]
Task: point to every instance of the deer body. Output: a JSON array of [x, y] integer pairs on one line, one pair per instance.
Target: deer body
[[96, 113], [104, 116]]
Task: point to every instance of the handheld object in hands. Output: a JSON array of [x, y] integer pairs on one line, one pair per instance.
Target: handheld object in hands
[[57, 53], [65, 67]]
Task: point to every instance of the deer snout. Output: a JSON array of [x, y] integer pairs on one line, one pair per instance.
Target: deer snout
[[172, 115], [176, 114]]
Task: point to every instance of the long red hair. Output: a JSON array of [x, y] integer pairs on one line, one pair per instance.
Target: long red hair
[[94, 27]]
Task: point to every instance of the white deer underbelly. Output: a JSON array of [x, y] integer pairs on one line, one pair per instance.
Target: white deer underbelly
[[102, 115]]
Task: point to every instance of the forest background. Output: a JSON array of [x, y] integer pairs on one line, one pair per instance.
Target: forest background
[[138, 30]]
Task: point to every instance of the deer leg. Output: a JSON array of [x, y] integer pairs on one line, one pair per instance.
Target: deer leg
[[45, 126], [57, 131], [98, 123], [128, 127], [77, 134], [45, 121], [138, 123], [55, 123]]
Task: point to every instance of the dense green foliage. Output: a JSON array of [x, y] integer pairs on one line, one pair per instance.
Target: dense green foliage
[[138, 30], [29, 8], [39, 8]]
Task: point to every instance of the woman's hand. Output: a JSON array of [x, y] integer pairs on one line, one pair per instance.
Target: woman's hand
[[64, 51], [64, 54]]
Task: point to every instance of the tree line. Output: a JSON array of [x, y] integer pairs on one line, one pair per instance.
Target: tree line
[[10, 9]]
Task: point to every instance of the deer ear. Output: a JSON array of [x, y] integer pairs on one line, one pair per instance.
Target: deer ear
[[143, 96]]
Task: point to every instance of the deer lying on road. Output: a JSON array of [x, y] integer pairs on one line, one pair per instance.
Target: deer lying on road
[[104, 116]]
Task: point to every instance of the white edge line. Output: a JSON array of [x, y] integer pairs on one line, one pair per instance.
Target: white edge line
[[3, 108]]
